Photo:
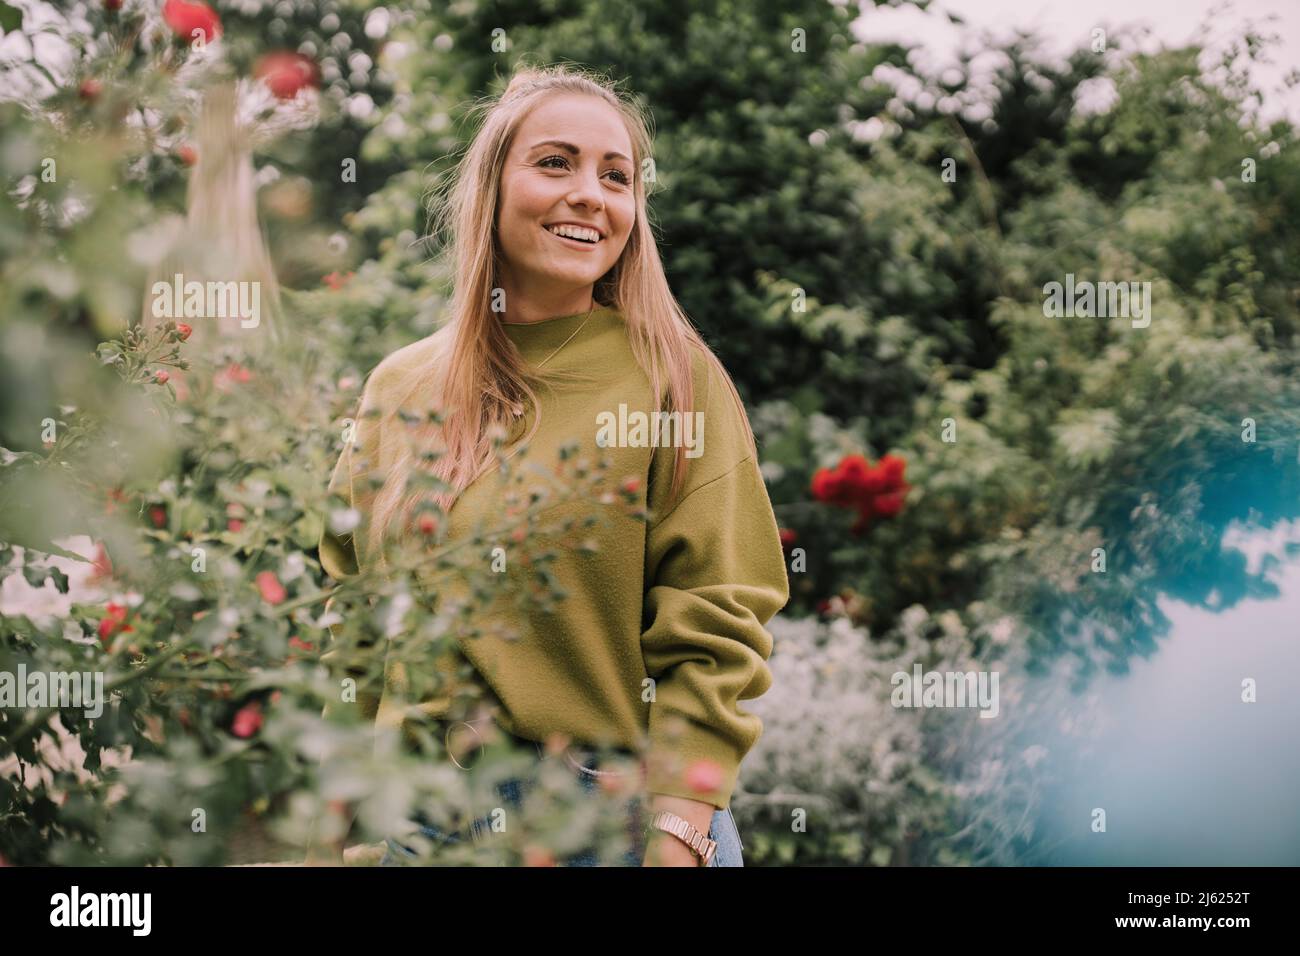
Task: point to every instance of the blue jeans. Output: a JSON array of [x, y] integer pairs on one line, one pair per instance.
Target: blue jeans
[[722, 828]]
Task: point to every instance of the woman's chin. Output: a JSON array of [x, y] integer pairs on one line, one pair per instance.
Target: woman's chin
[[578, 278]]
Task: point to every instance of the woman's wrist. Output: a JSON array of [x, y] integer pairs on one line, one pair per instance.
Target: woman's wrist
[[664, 849], [672, 850], [698, 813]]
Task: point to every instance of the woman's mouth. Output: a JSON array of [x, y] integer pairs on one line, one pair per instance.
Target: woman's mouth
[[575, 236]]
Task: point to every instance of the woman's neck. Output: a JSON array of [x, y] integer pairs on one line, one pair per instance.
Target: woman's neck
[[523, 310]]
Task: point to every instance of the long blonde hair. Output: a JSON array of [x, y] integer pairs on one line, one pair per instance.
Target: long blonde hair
[[475, 381]]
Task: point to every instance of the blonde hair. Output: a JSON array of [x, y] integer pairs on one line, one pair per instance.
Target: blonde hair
[[474, 375]]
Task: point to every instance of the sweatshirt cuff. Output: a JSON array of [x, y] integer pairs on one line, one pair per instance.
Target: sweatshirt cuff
[[687, 759]]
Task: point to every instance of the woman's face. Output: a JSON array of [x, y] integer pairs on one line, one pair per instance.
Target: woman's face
[[570, 162]]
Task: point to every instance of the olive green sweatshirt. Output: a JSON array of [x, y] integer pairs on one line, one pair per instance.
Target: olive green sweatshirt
[[661, 632]]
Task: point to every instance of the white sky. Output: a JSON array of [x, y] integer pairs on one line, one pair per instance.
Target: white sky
[[1064, 25]]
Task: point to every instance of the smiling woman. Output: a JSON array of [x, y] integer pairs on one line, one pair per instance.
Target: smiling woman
[[567, 206], [559, 290]]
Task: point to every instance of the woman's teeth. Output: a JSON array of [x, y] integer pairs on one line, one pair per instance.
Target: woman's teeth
[[575, 232]]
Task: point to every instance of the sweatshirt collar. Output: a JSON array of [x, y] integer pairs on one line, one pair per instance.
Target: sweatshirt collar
[[536, 337]]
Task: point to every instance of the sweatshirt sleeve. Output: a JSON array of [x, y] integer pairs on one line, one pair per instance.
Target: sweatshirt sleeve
[[715, 576]]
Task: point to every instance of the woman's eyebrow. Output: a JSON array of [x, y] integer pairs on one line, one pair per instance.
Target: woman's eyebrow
[[573, 150]]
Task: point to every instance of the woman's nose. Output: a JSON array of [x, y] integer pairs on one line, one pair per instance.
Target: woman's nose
[[587, 193]]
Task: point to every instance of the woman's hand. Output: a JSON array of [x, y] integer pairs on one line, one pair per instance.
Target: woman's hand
[[322, 851], [664, 849], [324, 855]]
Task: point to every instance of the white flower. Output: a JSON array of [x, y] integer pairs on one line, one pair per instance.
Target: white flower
[[1000, 631]]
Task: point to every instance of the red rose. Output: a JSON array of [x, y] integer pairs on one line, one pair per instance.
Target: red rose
[[286, 73], [234, 524], [888, 505], [892, 467], [297, 642], [187, 154], [854, 470], [428, 524], [230, 376], [631, 485], [248, 720], [90, 89], [827, 486], [788, 538], [872, 491], [272, 590], [113, 622], [161, 376], [158, 515], [187, 16], [112, 6], [184, 330], [875, 483]]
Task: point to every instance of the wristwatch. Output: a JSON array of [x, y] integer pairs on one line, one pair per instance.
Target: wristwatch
[[670, 822]]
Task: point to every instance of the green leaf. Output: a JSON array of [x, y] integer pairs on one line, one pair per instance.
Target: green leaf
[[11, 18]]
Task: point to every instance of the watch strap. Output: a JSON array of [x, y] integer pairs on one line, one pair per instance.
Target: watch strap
[[670, 822]]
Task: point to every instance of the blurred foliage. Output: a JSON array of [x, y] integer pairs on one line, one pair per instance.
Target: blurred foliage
[[864, 303]]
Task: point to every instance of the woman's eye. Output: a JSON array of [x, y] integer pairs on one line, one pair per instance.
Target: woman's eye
[[559, 162]]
